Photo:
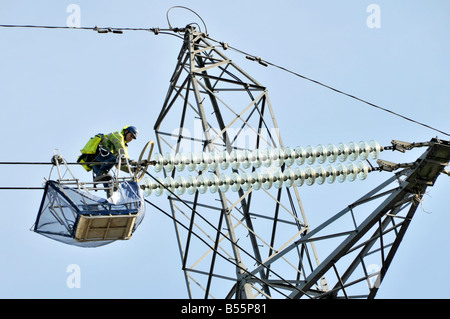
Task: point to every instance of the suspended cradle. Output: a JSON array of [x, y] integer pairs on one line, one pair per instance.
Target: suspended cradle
[[71, 212]]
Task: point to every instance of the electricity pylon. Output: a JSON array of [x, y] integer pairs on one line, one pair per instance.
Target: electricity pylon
[[372, 234], [253, 244], [219, 107]]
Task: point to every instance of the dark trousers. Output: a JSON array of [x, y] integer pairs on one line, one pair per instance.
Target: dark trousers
[[107, 159]]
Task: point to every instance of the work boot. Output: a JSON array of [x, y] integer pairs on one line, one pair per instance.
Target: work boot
[[102, 178], [106, 179]]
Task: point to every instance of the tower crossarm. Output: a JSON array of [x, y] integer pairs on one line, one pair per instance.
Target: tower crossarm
[[377, 236]]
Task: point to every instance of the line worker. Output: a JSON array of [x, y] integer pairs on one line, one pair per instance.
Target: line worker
[[106, 149]]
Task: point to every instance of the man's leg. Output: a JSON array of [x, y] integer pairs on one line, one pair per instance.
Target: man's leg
[[101, 171]]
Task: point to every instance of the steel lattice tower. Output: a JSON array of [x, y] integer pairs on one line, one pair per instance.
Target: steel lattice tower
[[258, 244]]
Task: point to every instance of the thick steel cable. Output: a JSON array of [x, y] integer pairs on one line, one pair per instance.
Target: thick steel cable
[[226, 45], [20, 188], [50, 163], [119, 30], [266, 63]]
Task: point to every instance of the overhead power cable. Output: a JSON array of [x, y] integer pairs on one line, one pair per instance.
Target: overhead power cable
[[227, 46], [20, 188], [267, 63], [50, 163], [156, 31]]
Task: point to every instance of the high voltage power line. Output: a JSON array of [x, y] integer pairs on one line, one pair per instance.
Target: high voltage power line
[[172, 31], [156, 31]]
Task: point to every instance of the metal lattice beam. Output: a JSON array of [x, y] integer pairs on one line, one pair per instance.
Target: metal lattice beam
[[259, 243], [377, 236], [219, 107]]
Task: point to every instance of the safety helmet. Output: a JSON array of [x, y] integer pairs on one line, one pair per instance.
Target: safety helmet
[[132, 129]]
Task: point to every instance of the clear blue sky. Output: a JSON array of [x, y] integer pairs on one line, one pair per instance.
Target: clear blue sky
[[59, 87]]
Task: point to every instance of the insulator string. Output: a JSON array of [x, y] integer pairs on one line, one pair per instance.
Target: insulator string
[[267, 157], [257, 180]]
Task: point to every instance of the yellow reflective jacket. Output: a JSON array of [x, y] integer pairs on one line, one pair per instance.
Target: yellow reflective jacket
[[114, 142]]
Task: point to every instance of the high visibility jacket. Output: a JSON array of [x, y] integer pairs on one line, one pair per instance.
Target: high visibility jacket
[[114, 142]]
